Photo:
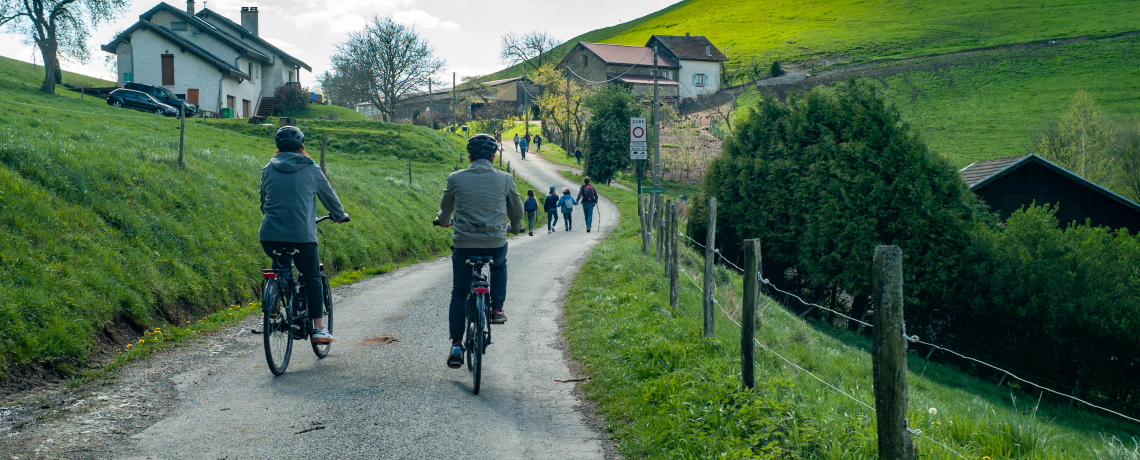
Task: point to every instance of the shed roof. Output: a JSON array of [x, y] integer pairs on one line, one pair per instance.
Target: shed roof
[[693, 48], [628, 55], [981, 173]]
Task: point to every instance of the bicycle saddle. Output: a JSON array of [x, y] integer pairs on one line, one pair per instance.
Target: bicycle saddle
[[474, 260]]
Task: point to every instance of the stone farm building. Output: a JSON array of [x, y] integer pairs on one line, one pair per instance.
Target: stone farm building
[[491, 99], [687, 66], [204, 57]]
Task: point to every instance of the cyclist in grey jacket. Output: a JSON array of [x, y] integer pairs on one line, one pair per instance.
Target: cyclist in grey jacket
[[482, 199], [289, 215]]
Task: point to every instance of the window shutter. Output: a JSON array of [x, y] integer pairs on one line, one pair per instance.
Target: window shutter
[[167, 69]]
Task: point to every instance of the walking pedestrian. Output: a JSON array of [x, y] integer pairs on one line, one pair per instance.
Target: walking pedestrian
[[550, 205], [531, 208], [537, 142], [523, 145], [589, 197], [499, 139], [578, 154], [567, 203], [516, 142]]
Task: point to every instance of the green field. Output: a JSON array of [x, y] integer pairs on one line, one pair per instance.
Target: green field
[[103, 236], [668, 393], [325, 111]]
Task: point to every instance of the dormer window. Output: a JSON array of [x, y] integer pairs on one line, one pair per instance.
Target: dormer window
[[178, 25], [708, 50]]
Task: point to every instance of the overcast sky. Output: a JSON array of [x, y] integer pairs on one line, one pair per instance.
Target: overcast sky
[[464, 32]]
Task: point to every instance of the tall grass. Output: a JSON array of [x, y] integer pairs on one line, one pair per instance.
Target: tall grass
[[669, 393], [99, 227]]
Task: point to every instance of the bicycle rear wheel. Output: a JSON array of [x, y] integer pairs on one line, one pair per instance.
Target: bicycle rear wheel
[[475, 357], [322, 349], [276, 334]]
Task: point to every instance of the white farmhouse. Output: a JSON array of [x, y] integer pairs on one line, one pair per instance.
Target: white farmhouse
[[210, 59], [699, 61]]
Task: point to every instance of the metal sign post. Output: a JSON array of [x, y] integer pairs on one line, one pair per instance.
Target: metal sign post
[[638, 144]]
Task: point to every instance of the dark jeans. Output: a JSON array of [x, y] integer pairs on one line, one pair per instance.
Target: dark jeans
[[530, 218], [461, 284], [551, 219], [567, 218], [588, 208], [308, 263]]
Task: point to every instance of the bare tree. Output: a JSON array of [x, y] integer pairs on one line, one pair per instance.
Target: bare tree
[[531, 49], [59, 28], [338, 89], [384, 64]]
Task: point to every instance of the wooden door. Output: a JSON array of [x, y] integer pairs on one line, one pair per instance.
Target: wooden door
[[192, 95], [167, 69], [245, 108]]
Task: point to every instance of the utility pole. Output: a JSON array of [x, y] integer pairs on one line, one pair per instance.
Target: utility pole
[[454, 118], [566, 133], [181, 133], [656, 127]]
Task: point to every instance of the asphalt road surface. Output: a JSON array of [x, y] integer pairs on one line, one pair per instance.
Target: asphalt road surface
[[395, 400]]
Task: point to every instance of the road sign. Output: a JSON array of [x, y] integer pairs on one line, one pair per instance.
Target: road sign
[[637, 130], [638, 155], [652, 190], [638, 146]]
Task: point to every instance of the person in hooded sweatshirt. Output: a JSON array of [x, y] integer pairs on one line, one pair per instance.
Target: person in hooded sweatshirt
[[550, 205], [289, 216]]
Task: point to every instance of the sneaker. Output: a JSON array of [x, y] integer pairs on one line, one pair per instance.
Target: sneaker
[[498, 317], [455, 356], [531, 233], [320, 336], [587, 229]]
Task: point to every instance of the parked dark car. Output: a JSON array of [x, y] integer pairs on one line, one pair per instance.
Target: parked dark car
[[164, 96], [140, 101]]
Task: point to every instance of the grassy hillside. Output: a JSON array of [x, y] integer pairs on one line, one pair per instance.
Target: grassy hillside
[[668, 393], [318, 110], [102, 235], [755, 32]]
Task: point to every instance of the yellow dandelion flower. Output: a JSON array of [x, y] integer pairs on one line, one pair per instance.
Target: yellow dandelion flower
[[938, 423], [130, 345], [142, 340], [187, 322], [985, 458]]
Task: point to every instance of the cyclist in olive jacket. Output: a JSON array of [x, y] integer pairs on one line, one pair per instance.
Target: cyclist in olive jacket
[[289, 216], [482, 199]]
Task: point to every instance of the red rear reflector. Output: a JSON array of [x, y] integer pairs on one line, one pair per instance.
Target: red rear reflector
[[269, 275], [482, 290]]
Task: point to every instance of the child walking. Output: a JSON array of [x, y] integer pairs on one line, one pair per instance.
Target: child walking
[[550, 205], [531, 208], [567, 203]]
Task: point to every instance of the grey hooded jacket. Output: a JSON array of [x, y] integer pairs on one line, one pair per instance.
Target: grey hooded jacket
[[483, 199], [289, 213]]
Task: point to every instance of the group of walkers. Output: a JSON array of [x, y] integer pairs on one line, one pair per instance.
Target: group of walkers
[[553, 203], [523, 143]]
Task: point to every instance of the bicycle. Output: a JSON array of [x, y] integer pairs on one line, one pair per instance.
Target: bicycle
[[284, 310], [478, 329]]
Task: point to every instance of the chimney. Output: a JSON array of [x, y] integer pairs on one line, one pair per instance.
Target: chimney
[[190, 7], [249, 19]]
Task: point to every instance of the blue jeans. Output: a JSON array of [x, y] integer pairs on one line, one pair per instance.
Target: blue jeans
[[588, 208], [567, 219], [461, 284], [551, 219]]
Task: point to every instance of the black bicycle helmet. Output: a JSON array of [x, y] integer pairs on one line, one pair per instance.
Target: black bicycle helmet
[[482, 146], [289, 138]]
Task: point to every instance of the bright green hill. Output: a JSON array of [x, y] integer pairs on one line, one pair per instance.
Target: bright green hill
[[101, 234]]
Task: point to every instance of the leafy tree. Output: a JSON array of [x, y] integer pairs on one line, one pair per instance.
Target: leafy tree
[[561, 103], [824, 179], [59, 28], [531, 49], [339, 90], [384, 64], [1128, 174], [607, 132], [1082, 140]]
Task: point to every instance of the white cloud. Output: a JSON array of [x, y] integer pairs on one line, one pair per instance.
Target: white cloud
[[423, 19]]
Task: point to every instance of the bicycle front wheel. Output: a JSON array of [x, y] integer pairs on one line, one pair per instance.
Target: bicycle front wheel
[[478, 343], [322, 349], [276, 334]]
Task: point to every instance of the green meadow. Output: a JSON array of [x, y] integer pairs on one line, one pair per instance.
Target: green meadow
[[103, 236]]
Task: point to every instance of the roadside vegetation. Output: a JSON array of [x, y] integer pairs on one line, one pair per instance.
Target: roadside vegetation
[[666, 392], [104, 237]]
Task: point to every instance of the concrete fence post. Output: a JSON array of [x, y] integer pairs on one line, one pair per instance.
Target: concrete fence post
[[675, 257], [181, 135], [710, 264], [748, 312], [888, 355]]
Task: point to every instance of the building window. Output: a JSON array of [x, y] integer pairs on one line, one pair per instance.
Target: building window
[[700, 79], [126, 77], [290, 75], [167, 69], [178, 25], [250, 71], [585, 61]]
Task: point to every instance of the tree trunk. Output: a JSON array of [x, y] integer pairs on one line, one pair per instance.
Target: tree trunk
[[858, 310], [51, 66]]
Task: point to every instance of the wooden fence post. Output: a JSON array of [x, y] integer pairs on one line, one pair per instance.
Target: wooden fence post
[[324, 144], [674, 256], [409, 173], [666, 234], [181, 134], [748, 312], [888, 355], [659, 226], [643, 214], [710, 261]]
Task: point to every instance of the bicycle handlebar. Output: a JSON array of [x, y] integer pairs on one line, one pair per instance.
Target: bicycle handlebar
[[329, 217]]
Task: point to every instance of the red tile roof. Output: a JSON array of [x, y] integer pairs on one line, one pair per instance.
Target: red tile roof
[[695, 48], [628, 55]]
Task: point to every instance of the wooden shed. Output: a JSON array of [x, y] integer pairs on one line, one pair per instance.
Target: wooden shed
[[1011, 183]]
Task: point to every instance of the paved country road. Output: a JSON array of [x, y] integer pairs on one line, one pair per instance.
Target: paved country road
[[398, 400]]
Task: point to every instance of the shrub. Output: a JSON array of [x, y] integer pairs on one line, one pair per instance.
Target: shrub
[[776, 71], [608, 131], [288, 98]]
